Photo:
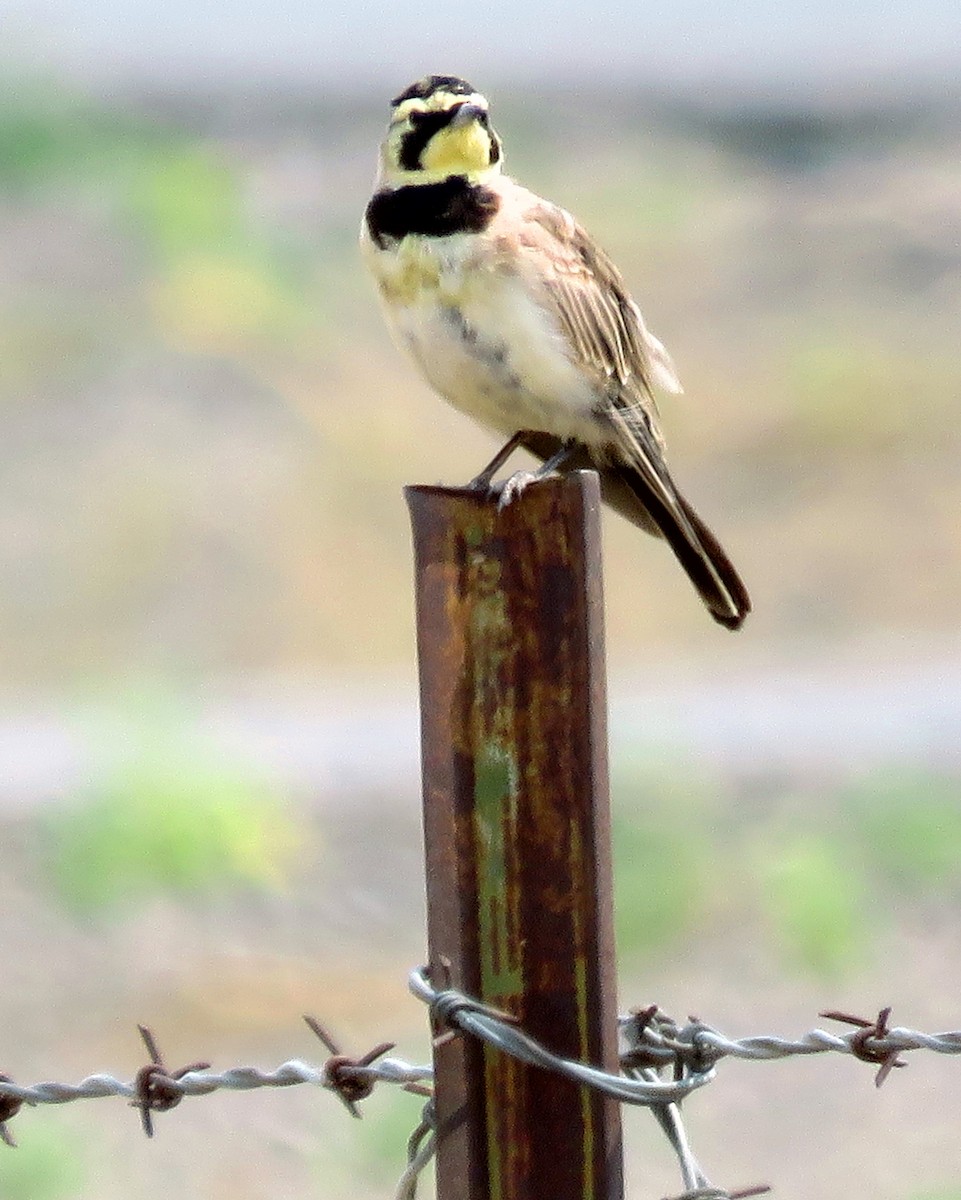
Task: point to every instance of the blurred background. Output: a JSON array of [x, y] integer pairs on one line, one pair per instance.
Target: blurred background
[[209, 784]]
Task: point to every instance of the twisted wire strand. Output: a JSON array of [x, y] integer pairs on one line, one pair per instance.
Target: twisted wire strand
[[761, 1048], [421, 1146], [709, 1043], [454, 1008], [652, 1040], [202, 1083]]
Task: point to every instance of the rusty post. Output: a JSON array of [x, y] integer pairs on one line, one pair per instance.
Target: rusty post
[[517, 832]]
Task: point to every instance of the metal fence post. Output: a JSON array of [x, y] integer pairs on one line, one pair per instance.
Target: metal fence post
[[517, 832]]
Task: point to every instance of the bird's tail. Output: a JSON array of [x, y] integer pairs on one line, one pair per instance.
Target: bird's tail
[[696, 548], [663, 511]]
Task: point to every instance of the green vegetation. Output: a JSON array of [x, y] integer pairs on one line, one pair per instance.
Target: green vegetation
[[47, 134], [206, 429], [909, 823], [662, 859], [811, 893], [219, 280], [823, 891], [371, 1153], [186, 200], [816, 900], [384, 1134], [852, 393], [48, 1163], [675, 865], [661, 874], [173, 817]]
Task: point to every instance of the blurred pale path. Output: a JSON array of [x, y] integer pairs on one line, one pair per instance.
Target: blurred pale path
[[341, 743]]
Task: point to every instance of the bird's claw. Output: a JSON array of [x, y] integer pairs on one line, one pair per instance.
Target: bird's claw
[[512, 487]]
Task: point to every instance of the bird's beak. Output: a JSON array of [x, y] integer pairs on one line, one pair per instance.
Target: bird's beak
[[467, 113]]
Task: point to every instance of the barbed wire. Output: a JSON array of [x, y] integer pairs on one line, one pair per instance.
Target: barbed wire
[[197, 1083], [453, 1008], [654, 1039], [420, 1150], [660, 1042], [651, 1042]]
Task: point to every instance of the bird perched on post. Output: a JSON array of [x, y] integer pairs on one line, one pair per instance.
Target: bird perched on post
[[519, 319]]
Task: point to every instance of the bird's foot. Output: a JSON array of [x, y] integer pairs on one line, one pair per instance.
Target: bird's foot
[[511, 488]]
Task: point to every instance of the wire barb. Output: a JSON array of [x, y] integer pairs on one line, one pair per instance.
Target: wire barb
[[343, 1075], [154, 1084], [865, 1042], [9, 1107]]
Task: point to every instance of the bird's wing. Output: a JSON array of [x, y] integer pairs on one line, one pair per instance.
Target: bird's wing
[[610, 342], [603, 324], [607, 336]]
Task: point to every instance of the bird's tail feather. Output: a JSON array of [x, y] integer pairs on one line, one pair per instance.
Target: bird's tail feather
[[696, 548]]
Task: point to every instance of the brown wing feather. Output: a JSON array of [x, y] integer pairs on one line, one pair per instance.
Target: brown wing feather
[[588, 294], [610, 340]]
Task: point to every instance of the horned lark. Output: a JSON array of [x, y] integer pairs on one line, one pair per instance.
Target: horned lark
[[519, 319]]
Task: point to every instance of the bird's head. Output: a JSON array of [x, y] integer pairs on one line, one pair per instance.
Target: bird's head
[[439, 128]]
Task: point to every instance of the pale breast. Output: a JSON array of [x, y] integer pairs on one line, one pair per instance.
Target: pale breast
[[481, 339]]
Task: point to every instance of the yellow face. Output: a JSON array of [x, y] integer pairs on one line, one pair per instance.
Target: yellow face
[[464, 150], [439, 128]]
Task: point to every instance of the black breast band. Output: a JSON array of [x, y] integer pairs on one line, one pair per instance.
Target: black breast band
[[431, 209]]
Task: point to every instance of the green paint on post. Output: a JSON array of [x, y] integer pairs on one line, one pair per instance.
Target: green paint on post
[[495, 799], [495, 808], [473, 536]]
